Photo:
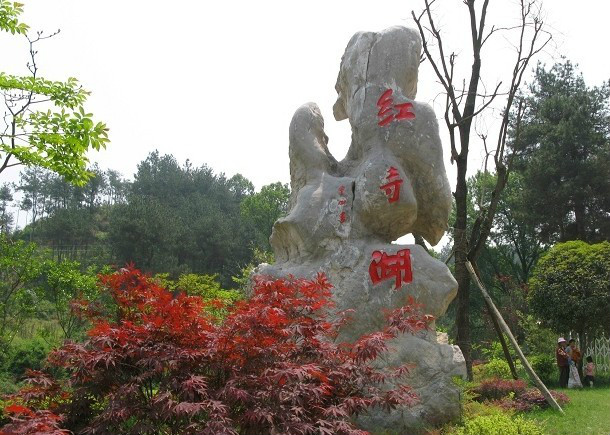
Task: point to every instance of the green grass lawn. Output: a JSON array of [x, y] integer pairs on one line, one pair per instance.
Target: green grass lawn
[[588, 413]]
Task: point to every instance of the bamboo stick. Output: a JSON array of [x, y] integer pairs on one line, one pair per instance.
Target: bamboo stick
[[528, 368]]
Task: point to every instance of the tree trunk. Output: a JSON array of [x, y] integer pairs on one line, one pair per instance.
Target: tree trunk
[[579, 217], [462, 276], [582, 344], [509, 359]]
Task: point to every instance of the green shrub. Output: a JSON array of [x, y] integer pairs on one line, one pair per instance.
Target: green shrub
[[499, 424], [7, 386], [206, 286], [538, 339], [496, 368], [491, 350], [26, 354], [544, 366]]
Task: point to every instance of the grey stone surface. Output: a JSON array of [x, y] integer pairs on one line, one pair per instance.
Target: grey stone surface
[[345, 214]]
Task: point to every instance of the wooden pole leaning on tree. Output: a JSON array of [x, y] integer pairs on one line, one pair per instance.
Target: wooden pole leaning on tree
[[509, 359], [528, 368]]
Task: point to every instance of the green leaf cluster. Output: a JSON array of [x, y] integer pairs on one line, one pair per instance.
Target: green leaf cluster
[[499, 424], [495, 368], [207, 287], [64, 282], [9, 18], [69, 94], [46, 123]]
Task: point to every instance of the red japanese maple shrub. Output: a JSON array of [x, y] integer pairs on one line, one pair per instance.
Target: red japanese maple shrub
[[42, 395], [492, 389], [531, 399], [163, 365], [24, 421]]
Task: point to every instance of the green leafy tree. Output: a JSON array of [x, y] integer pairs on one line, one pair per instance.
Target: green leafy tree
[[570, 288], [64, 283], [46, 124], [564, 157], [20, 269], [262, 209], [244, 279]]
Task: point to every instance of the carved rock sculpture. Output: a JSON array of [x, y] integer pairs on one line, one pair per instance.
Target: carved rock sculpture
[[344, 215]]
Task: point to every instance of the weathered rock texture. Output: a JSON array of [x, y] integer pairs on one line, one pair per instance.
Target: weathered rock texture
[[344, 215]]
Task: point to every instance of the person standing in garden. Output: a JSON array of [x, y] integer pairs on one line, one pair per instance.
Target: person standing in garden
[[562, 362], [574, 357], [589, 372]]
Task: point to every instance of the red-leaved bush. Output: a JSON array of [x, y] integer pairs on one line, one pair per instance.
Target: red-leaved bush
[[514, 395], [493, 389], [43, 396], [164, 365], [530, 400], [24, 421]]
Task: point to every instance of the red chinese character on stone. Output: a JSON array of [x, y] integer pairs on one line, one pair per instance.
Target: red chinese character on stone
[[392, 187], [404, 111], [387, 109], [396, 266], [342, 217], [341, 190]]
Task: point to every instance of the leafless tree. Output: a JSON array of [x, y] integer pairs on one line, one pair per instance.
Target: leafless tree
[[464, 102]]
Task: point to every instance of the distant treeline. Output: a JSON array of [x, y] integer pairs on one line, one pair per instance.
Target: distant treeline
[[172, 217]]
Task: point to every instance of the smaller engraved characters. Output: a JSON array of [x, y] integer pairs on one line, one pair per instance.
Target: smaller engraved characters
[[392, 187], [388, 111], [397, 266], [342, 202]]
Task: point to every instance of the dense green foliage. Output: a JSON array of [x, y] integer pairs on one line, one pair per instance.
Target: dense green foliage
[[171, 219], [570, 287], [20, 267], [204, 243], [185, 219], [499, 424], [262, 209], [545, 367], [564, 156], [494, 368], [37, 305], [505, 264]]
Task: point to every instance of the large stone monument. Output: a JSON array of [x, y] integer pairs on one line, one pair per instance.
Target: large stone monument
[[344, 216]]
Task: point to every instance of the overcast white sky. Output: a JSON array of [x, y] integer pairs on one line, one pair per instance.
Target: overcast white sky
[[218, 82]]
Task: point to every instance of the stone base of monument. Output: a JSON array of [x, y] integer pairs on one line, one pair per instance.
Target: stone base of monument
[[435, 365], [435, 362]]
